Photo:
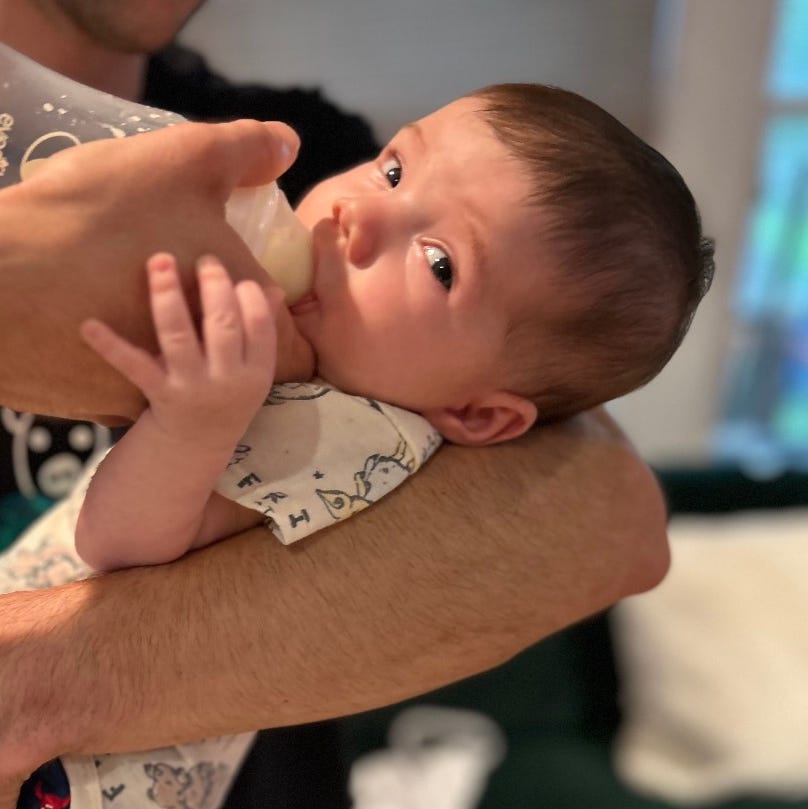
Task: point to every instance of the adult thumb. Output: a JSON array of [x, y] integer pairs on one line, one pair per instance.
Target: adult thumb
[[256, 152], [225, 156]]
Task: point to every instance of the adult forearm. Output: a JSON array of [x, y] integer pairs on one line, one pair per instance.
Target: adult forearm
[[483, 553], [34, 669]]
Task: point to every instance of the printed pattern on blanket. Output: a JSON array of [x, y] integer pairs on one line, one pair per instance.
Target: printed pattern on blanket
[[314, 455], [190, 776]]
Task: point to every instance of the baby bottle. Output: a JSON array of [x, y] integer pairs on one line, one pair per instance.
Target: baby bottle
[[42, 112]]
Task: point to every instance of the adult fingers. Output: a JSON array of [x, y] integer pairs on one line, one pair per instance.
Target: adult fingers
[[225, 156], [254, 152], [187, 157]]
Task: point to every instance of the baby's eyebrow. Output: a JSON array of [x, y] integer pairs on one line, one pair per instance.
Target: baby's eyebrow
[[477, 246], [415, 129], [478, 251]]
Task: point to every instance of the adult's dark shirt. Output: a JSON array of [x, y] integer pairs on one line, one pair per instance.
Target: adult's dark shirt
[[293, 768], [331, 139]]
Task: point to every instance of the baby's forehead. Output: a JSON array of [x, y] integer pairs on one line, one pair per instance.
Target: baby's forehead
[[467, 107], [459, 123]]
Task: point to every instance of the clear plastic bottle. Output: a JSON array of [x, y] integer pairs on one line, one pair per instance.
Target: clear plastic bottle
[[42, 112]]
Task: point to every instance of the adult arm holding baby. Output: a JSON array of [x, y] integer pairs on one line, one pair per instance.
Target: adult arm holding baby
[[492, 550]]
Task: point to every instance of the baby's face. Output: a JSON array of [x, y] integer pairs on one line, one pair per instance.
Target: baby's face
[[421, 259]]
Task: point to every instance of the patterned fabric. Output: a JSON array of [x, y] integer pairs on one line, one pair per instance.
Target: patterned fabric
[[190, 776], [47, 788], [40, 461], [313, 456]]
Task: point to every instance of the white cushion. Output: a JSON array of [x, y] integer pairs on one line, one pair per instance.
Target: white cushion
[[714, 663]]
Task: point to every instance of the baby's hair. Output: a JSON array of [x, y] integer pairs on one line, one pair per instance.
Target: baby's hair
[[624, 243]]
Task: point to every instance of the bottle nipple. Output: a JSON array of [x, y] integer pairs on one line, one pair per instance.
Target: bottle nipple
[[276, 237]]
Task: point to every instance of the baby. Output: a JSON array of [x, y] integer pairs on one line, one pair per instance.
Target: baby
[[513, 258]]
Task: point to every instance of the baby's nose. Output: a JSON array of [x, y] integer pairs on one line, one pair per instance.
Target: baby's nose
[[358, 227]]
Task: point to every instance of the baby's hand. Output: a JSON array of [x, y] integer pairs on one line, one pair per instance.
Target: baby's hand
[[201, 391]]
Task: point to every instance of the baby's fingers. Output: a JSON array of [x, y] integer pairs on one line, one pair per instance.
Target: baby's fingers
[[175, 330], [258, 319], [137, 365], [221, 318]]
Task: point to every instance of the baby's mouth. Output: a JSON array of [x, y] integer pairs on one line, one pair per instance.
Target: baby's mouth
[[309, 299], [304, 304], [325, 250]]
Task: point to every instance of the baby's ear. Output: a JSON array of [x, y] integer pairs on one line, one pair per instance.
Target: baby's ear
[[490, 419]]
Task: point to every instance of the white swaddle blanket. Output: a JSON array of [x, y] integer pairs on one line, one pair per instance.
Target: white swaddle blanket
[[314, 455]]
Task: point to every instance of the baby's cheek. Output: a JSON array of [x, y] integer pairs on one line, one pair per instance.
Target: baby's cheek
[[346, 368]]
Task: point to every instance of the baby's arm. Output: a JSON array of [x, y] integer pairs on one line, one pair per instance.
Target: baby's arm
[[151, 498]]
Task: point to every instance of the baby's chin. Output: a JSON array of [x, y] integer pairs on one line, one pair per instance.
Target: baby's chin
[[364, 384]]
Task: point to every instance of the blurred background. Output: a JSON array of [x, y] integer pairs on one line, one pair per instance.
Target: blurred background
[[719, 86]]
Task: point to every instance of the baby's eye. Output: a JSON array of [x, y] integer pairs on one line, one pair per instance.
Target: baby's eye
[[391, 169], [440, 264]]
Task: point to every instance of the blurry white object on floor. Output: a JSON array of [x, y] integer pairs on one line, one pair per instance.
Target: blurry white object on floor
[[438, 758]]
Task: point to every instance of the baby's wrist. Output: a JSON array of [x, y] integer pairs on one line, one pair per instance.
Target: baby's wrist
[[202, 439]]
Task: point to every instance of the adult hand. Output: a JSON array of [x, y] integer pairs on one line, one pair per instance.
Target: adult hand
[[75, 238]]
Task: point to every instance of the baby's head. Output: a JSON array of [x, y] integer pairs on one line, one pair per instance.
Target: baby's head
[[516, 256], [622, 245]]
